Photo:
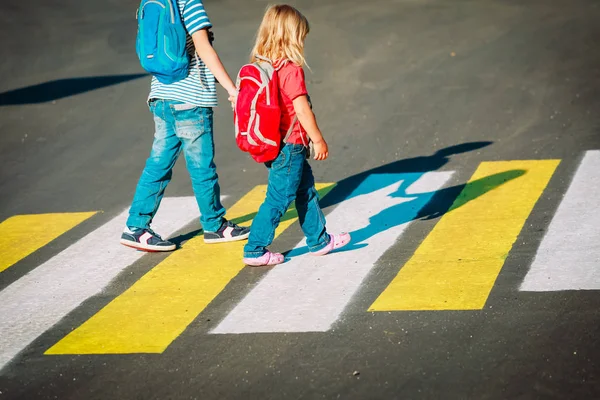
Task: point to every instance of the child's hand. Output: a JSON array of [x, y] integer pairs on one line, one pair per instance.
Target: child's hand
[[233, 97], [321, 150]]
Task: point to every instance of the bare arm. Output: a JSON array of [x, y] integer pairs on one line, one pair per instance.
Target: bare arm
[[210, 57], [309, 123]]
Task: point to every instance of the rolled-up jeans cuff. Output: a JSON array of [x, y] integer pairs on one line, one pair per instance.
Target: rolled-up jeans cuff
[[321, 245], [138, 222], [254, 254]]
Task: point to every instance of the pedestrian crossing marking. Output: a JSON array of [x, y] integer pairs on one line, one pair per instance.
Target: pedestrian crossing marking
[[38, 300], [154, 311], [454, 268], [569, 256], [21, 235], [312, 292], [458, 262]]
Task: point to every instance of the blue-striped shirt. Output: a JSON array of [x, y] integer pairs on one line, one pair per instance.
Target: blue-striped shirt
[[189, 90]]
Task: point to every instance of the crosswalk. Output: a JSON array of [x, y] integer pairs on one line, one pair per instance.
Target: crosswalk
[[454, 268], [457, 264], [148, 316], [21, 235], [569, 255], [40, 299], [313, 292]]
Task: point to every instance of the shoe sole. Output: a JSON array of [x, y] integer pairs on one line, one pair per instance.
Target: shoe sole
[[253, 262], [225, 240], [147, 247]]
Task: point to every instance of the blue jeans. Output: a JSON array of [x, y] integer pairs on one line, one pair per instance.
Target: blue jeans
[[290, 177], [186, 127]]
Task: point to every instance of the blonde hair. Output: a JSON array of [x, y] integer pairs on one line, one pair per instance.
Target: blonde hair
[[281, 35]]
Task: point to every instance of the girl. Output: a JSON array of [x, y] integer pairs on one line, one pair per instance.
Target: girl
[[280, 39]]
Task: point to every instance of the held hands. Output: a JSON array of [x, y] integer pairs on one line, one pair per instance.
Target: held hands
[[321, 150], [233, 93]]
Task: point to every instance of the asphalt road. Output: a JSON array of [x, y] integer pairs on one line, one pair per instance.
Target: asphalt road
[[391, 81]]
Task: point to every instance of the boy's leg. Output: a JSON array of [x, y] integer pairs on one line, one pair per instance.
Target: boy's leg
[[310, 215], [284, 177], [195, 130], [158, 170]]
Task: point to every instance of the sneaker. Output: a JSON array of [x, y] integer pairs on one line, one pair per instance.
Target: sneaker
[[335, 242], [228, 232], [145, 240]]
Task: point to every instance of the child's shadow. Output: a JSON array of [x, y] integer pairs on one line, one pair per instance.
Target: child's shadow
[[429, 205]]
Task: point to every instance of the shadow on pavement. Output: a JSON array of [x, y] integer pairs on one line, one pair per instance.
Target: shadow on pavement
[[436, 204], [414, 168], [426, 205], [61, 88]]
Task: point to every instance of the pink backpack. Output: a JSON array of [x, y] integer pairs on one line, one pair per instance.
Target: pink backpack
[[257, 114]]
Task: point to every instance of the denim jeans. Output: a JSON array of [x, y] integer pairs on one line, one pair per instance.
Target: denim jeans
[[186, 127], [290, 177]]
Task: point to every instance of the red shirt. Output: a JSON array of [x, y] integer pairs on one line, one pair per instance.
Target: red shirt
[[291, 86]]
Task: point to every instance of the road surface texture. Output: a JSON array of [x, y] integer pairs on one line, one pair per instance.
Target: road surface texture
[[463, 138]]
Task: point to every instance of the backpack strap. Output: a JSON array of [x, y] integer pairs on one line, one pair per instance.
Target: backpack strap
[[289, 131], [267, 66], [267, 71], [278, 64], [262, 58], [294, 121]]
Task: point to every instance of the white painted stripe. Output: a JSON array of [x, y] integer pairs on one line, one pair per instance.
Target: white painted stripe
[[569, 256], [40, 299], [308, 294]]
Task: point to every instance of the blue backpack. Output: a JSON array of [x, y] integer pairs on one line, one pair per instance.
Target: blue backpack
[[161, 40]]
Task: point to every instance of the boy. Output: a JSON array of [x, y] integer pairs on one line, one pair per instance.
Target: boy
[[183, 117]]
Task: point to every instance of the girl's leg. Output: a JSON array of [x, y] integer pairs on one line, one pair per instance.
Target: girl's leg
[[284, 178], [310, 215]]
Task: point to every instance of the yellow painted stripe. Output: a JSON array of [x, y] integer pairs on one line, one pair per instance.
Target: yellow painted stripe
[[21, 235], [458, 262], [157, 309]]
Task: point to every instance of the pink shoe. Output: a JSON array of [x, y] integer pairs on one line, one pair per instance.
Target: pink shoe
[[335, 242], [266, 259]]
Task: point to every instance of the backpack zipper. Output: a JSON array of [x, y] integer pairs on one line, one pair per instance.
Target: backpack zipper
[[166, 52]]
